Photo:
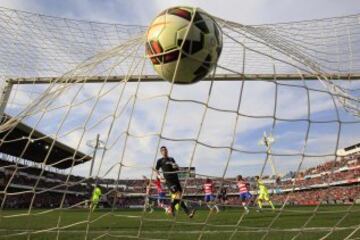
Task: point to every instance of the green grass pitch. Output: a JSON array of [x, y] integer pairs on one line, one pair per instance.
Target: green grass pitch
[[134, 224]]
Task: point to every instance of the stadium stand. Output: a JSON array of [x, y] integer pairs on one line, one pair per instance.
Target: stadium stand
[[20, 170], [335, 182]]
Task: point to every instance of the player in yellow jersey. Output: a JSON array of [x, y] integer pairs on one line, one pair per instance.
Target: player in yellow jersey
[[96, 195], [263, 193]]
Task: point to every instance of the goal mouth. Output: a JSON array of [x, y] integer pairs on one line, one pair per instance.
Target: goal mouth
[[297, 82]]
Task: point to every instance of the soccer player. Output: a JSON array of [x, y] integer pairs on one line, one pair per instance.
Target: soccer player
[[96, 195], [263, 193], [277, 189], [223, 196], [148, 206], [245, 195], [209, 198], [161, 193], [169, 168]]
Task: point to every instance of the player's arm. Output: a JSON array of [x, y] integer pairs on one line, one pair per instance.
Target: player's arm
[[175, 166], [148, 182], [157, 169]]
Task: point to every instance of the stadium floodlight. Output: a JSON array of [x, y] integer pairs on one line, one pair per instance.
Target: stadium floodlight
[[267, 141], [95, 144]]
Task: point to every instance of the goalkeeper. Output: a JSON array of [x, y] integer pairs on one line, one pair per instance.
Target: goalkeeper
[[263, 193], [170, 168], [95, 198]]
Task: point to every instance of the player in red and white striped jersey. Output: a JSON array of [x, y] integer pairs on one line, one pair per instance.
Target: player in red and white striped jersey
[[209, 190], [245, 195], [160, 191]]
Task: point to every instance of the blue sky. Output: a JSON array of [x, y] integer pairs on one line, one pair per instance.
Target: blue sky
[[184, 118]]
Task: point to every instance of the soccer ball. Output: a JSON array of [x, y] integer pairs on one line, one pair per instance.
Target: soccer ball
[[183, 44]]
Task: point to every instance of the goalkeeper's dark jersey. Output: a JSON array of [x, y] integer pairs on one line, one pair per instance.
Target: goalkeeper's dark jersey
[[169, 168], [223, 194]]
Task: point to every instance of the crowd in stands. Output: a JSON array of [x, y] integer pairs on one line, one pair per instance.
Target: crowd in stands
[[19, 180], [333, 165], [332, 195], [329, 182], [325, 178], [40, 200], [35, 171]]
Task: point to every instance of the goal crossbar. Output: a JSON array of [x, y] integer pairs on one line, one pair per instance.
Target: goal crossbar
[[155, 78]]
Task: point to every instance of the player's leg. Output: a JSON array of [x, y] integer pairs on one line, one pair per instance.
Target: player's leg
[[267, 199], [94, 204], [259, 200], [177, 207], [223, 202], [147, 205], [212, 198], [174, 204], [177, 200], [176, 189], [161, 200], [208, 203], [151, 205], [243, 197], [175, 195], [90, 205], [248, 197]]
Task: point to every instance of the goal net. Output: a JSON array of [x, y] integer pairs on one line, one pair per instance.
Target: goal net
[[88, 89]]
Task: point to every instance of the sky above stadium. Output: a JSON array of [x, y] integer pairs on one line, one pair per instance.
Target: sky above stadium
[[141, 12], [184, 123]]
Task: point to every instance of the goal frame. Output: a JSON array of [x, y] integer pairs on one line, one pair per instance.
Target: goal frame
[[8, 85], [156, 78]]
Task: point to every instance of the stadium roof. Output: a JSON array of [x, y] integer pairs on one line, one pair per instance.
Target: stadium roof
[[15, 142]]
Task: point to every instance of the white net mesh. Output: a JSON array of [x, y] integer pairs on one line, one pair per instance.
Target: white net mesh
[[73, 80]]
